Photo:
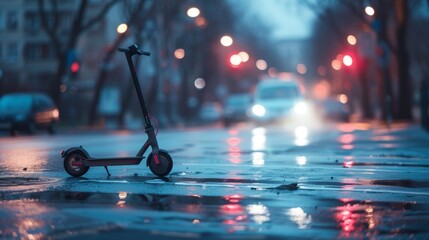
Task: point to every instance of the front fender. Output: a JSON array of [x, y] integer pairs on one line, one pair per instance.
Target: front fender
[[150, 156], [75, 149]]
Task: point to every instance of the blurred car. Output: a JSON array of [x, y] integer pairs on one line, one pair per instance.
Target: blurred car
[[276, 99], [210, 112], [27, 112], [236, 108], [333, 109]]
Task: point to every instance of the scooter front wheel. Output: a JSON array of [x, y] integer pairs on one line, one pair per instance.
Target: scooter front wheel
[[164, 165], [73, 170]]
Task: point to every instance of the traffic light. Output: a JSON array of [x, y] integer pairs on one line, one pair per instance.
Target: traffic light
[[74, 68], [235, 60], [347, 60]]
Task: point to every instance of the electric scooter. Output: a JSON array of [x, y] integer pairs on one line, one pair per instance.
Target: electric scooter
[[77, 160]]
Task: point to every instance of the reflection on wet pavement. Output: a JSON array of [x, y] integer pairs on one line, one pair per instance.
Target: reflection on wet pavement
[[260, 182], [301, 218], [301, 136], [258, 146], [58, 214]]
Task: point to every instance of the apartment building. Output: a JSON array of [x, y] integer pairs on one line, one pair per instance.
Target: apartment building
[[27, 59]]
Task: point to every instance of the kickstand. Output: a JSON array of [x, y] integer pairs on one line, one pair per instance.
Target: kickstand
[[107, 170]]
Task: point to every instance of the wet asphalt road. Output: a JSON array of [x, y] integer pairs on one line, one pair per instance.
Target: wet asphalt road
[[359, 181]]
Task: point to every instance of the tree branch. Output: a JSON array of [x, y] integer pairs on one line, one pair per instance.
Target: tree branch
[[76, 28], [50, 31], [324, 16], [91, 22]]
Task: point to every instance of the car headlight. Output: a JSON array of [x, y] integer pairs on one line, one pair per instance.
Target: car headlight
[[55, 113], [300, 108], [258, 110]]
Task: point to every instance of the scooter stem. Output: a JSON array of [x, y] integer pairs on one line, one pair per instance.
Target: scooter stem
[[142, 102]]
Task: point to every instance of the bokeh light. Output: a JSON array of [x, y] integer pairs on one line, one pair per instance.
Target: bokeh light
[[301, 68], [179, 53], [351, 40], [369, 11], [200, 83], [336, 64], [244, 56], [226, 41], [261, 64], [193, 12], [122, 28], [235, 59]]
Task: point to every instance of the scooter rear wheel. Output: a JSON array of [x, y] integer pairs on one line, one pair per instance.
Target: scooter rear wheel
[[164, 166], [75, 171]]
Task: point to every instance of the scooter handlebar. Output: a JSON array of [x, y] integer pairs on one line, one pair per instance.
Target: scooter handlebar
[[133, 49], [144, 53]]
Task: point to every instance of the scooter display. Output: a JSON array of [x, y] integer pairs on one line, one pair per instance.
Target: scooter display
[[77, 160]]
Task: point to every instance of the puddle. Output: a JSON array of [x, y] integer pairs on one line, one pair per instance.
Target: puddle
[[14, 183], [64, 214]]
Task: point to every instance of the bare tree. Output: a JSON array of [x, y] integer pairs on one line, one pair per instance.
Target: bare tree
[[388, 13], [135, 13], [64, 44]]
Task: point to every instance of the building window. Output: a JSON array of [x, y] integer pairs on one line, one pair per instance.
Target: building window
[[32, 52], [12, 52], [1, 21], [12, 20], [32, 21], [38, 51]]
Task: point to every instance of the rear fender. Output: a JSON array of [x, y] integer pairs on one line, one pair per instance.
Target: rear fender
[[73, 150]]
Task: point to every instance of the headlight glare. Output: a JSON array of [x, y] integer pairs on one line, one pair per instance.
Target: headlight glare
[[258, 110], [300, 108]]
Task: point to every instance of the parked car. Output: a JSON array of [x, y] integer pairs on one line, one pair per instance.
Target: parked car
[[27, 112], [236, 108], [210, 112], [276, 99]]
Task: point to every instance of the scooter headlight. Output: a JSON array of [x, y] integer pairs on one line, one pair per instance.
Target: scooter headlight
[[258, 110]]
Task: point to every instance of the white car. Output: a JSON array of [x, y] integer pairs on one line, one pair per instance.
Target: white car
[[276, 99]]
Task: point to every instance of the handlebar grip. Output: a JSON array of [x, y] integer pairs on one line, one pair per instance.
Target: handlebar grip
[[145, 53]]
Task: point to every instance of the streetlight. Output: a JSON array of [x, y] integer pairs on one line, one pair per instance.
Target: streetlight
[[193, 12], [226, 41], [261, 64], [347, 60], [199, 83], [179, 53], [244, 56], [369, 11], [122, 28], [336, 64], [351, 40], [235, 60]]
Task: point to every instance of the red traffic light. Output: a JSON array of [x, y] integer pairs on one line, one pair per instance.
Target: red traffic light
[[235, 60], [74, 67], [347, 60]]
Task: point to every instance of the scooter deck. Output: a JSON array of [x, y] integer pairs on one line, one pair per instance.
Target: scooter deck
[[112, 161]]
